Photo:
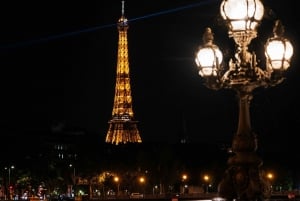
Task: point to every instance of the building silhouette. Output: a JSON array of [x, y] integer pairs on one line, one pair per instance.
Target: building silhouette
[[122, 126]]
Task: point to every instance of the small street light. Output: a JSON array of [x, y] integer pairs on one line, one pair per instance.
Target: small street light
[[206, 179], [184, 185], [117, 180], [9, 169], [270, 177], [73, 179], [74, 173], [142, 182]]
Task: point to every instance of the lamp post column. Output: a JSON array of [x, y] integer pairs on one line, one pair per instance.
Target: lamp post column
[[243, 179]]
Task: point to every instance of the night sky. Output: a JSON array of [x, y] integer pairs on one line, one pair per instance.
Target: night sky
[[58, 63]]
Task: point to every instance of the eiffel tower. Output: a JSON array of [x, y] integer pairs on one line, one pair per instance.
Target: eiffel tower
[[122, 126]]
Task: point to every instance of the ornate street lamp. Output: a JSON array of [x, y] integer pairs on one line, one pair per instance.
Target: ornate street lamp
[[243, 179]]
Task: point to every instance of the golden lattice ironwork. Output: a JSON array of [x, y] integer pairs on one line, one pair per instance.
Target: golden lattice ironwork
[[122, 126]]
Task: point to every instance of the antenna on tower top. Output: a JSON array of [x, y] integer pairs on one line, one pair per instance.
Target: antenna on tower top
[[123, 7]]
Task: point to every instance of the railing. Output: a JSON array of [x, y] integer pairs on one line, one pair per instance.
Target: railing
[[285, 196]]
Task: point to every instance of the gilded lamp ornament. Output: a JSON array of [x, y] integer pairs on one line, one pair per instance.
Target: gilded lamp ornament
[[243, 180]]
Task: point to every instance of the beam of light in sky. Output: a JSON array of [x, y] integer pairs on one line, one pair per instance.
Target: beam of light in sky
[[49, 38], [63, 35], [173, 10]]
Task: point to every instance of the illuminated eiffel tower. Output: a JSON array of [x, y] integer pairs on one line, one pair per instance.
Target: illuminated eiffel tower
[[122, 126]]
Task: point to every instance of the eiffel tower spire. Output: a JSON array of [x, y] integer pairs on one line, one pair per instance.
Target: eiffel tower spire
[[122, 126]]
